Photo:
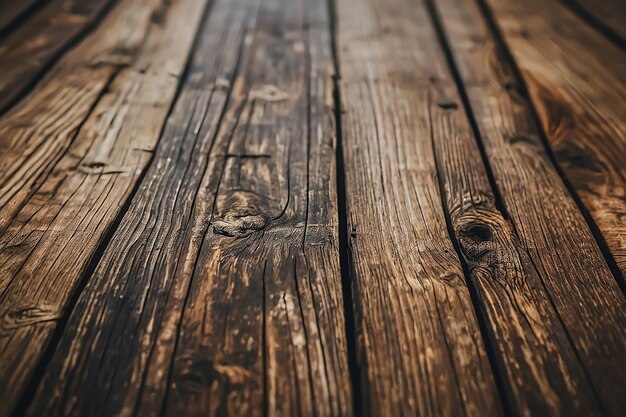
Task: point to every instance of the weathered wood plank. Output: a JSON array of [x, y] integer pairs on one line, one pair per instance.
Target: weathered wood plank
[[220, 293], [30, 49], [575, 78], [609, 14], [11, 10], [422, 351], [72, 154], [555, 311]]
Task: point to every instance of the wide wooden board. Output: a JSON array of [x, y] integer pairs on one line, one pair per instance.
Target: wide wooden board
[[220, 292], [548, 273], [420, 347], [577, 83], [73, 152]]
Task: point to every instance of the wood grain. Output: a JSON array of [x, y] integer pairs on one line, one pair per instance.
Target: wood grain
[[535, 286], [421, 348], [609, 14], [220, 294], [27, 51], [72, 154], [12, 10], [576, 81]]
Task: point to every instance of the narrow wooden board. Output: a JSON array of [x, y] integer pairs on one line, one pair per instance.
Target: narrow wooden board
[[576, 79], [29, 50], [220, 293], [11, 10], [72, 154], [611, 14], [420, 346], [554, 308]]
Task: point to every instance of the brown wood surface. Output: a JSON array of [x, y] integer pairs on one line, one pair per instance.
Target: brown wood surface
[[12, 10], [28, 50], [609, 14], [576, 80], [198, 217], [220, 293], [72, 153], [546, 269], [422, 352]]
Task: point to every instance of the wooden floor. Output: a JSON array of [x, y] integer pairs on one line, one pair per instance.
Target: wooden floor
[[312, 208]]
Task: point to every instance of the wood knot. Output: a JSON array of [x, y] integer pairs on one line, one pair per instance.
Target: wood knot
[[448, 105], [242, 213], [240, 225], [523, 138], [478, 231], [27, 316], [194, 374], [574, 156], [516, 91], [269, 93], [94, 165], [475, 240]]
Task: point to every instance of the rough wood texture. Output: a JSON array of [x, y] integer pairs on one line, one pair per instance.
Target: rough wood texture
[[421, 347], [576, 81], [220, 294], [609, 14], [28, 50], [12, 10], [530, 272], [72, 153], [183, 233]]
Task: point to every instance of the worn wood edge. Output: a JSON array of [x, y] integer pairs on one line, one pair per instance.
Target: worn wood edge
[[34, 46]]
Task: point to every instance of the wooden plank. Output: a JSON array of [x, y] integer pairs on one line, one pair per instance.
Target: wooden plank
[[421, 348], [608, 14], [554, 309], [576, 81], [26, 52], [11, 10], [220, 292], [72, 154]]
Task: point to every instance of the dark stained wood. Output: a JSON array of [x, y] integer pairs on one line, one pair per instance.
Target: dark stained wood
[[29, 49], [609, 13], [11, 10], [576, 81], [542, 280], [422, 352], [220, 294], [72, 153]]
